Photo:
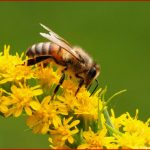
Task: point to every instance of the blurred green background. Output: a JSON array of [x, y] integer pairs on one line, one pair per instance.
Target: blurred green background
[[116, 34]]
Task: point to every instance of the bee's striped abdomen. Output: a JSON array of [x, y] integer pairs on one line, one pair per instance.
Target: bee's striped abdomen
[[42, 51], [46, 48], [39, 49]]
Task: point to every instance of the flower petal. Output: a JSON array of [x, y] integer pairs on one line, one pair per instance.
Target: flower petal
[[28, 111], [3, 109], [70, 139], [37, 92], [74, 123], [35, 105], [18, 112]]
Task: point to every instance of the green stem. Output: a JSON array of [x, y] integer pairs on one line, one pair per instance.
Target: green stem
[[108, 120], [110, 126], [113, 131], [108, 101], [114, 95]]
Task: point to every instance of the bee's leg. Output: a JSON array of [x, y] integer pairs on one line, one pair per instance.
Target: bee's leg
[[80, 83], [97, 84], [60, 82], [79, 86], [43, 64]]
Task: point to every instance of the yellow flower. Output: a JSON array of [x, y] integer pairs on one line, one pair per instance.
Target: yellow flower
[[131, 141], [64, 132], [147, 133], [117, 121], [138, 128], [70, 85], [88, 105], [69, 100], [133, 125], [12, 68], [82, 104], [5, 102], [47, 76], [22, 97], [135, 134], [47, 115], [97, 140]]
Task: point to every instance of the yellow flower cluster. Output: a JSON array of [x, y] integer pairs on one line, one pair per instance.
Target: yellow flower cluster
[[71, 121], [11, 68]]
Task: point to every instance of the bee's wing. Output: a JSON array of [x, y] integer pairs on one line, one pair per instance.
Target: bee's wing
[[53, 37]]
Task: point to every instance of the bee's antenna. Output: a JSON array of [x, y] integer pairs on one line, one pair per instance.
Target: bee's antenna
[[89, 87], [97, 84]]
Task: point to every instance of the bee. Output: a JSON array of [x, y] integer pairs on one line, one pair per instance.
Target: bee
[[74, 59]]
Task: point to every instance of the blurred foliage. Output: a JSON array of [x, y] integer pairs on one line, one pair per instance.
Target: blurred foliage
[[116, 34]]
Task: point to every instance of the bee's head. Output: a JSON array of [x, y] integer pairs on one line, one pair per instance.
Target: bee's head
[[93, 73]]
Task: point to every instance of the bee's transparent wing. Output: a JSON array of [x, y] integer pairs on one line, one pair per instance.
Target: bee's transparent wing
[[53, 37]]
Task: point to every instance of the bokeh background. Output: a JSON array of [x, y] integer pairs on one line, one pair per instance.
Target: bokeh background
[[116, 34]]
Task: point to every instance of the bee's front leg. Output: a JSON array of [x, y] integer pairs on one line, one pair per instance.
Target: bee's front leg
[[81, 82]]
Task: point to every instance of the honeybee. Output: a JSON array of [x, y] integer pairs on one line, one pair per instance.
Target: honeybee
[[74, 59]]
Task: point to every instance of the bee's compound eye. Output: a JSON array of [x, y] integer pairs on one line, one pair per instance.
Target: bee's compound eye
[[92, 72]]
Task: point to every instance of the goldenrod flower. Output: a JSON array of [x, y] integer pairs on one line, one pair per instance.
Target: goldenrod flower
[[97, 140], [47, 115], [12, 68], [22, 97], [133, 125], [69, 100], [70, 86], [5, 102], [135, 132], [82, 104], [61, 116], [117, 121], [64, 132], [131, 141], [88, 105], [47, 76]]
